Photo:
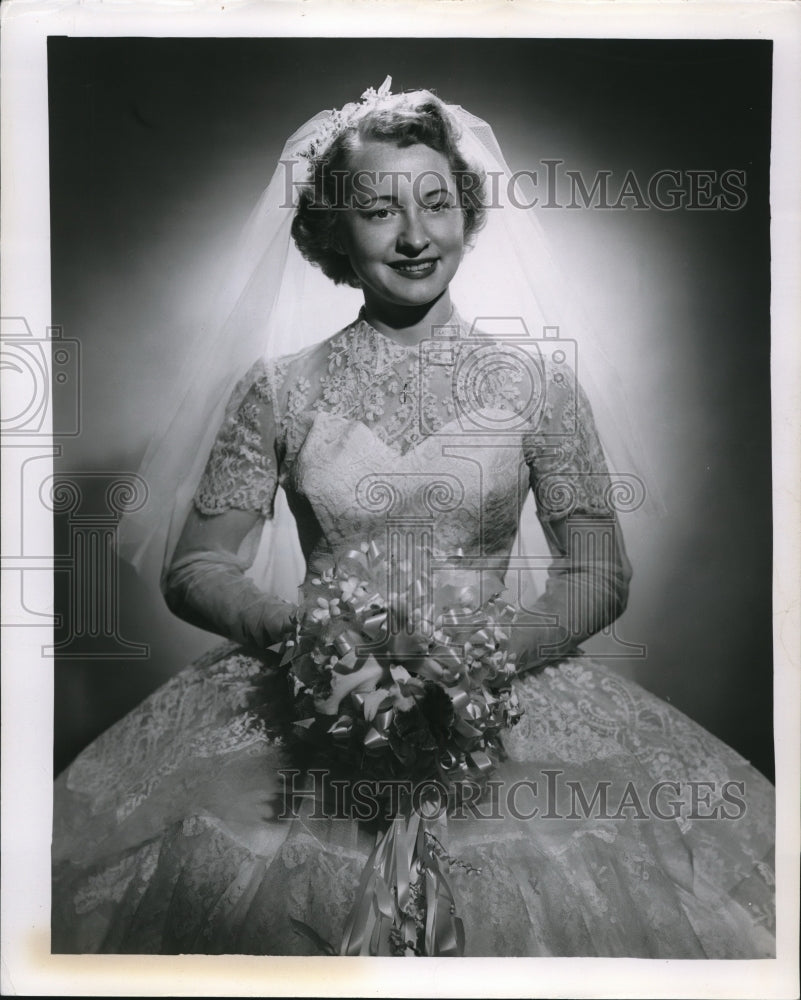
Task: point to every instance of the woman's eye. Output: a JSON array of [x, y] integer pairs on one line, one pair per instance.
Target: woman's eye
[[437, 206], [378, 213]]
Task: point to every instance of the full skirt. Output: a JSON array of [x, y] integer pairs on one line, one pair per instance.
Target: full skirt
[[617, 827]]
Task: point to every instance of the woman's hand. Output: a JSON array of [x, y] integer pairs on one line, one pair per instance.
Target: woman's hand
[[365, 679], [280, 617], [206, 583]]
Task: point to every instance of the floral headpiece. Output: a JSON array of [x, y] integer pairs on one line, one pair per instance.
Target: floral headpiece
[[338, 120]]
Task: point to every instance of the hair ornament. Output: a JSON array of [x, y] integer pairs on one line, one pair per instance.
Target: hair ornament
[[340, 119]]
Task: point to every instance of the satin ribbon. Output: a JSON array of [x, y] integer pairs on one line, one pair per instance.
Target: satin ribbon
[[342, 728], [376, 625], [404, 899], [476, 674], [382, 920], [444, 936]]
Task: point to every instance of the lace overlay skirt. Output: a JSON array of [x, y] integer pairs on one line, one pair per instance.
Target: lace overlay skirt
[[618, 827]]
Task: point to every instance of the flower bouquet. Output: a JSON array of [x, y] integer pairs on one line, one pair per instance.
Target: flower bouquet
[[384, 694]]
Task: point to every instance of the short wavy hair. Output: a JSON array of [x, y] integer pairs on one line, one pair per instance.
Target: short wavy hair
[[415, 118]]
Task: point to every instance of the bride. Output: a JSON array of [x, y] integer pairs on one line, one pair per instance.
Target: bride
[[610, 824]]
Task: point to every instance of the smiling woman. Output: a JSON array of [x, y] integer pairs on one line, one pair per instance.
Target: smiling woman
[[406, 444], [392, 190], [404, 239]]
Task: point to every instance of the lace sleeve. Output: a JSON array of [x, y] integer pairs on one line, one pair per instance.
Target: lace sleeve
[[568, 471], [588, 580], [242, 470]]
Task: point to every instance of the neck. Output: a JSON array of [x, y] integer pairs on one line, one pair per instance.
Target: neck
[[407, 324]]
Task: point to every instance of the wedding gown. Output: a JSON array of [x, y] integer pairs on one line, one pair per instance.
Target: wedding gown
[[167, 835]]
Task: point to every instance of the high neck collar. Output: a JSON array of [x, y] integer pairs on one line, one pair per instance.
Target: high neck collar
[[453, 328]]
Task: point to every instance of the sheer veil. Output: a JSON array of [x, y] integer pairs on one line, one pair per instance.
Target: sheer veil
[[272, 302]]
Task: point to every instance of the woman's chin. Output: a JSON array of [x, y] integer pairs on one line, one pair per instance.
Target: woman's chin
[[415, 293]]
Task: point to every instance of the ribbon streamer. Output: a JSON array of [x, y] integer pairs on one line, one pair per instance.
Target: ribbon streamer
[[377, 713], [386, 917]]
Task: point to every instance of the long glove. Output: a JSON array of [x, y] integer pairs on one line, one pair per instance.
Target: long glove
[[210, 590], [583, 595]]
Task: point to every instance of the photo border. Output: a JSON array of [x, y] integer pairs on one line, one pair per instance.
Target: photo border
[[27, 676]]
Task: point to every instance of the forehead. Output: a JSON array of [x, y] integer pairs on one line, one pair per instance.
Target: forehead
[[405, 162]]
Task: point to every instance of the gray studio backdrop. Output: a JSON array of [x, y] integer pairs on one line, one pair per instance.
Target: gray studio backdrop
[[160, 147]]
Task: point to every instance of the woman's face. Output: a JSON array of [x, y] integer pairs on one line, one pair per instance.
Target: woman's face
[[402, 227]]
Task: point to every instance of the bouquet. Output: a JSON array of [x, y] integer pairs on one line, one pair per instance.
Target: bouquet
[[384, 693]]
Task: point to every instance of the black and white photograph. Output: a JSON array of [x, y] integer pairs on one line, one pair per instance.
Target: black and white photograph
[[408, 444]]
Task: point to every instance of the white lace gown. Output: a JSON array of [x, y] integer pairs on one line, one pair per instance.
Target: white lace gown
[[162, 841]]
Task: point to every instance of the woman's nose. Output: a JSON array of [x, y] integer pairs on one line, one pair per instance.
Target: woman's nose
[[413, 236]]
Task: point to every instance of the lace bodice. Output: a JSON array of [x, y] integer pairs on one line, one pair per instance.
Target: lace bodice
[[166, 831], [359, 428]]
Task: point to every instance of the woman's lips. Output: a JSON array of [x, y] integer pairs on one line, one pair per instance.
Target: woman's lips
[[414, 268]]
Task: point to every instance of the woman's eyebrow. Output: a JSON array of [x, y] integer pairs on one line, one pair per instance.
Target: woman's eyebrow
[[369, 198], [424, 194], [440, 189]]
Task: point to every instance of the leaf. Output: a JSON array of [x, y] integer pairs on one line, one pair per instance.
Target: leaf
[[309, 932]]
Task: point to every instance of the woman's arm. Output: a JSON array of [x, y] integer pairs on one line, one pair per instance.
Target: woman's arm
[[587, 589], [588, 580], [206, 584], [205, 581]]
